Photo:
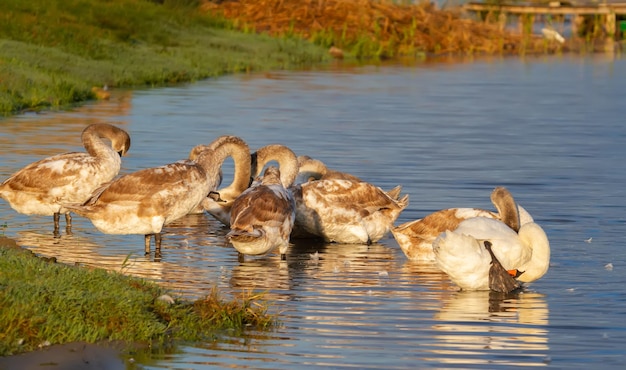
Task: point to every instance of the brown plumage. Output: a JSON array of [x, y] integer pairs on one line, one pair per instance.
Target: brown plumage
[[42, 187], [143, 202], [262, 217], [345, 211], [220, 203], [310, 169]]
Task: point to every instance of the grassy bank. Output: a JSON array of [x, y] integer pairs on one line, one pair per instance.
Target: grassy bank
[[52, 52], [46, 303]]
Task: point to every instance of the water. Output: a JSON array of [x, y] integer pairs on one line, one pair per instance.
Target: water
[[551, 129]]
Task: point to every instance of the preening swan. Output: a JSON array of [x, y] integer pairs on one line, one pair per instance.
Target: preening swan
[[415, 238], [42, 187], [220, 204], [344, 211], [338, 209], [463, 253], [262, 214], [262, 217], [143, 202]]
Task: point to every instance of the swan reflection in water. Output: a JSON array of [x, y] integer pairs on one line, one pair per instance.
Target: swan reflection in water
[[189, 245], [268, 275], [331, 269], [471, 324]]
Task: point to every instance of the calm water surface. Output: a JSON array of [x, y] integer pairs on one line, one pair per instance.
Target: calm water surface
[[550, 129]]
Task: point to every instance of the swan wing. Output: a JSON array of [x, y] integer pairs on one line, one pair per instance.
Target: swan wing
[[463, 259]]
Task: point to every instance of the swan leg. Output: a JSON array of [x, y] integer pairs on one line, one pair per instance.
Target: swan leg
[[157, 245], [68, 223], [56, 218], [146, 239], [240, 257], [283, 252]]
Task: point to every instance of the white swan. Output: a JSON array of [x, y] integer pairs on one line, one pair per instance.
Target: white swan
[[262, 217], [220, 202], [415, 238], [42, 187], [143, 202], [462, 255]]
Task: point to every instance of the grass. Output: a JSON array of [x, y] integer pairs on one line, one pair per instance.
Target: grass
[[52, 52], [48, 303]]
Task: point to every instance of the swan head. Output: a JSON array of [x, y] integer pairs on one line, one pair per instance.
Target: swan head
[[120, 139]]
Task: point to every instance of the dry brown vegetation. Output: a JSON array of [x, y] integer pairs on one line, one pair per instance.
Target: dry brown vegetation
[[373, 27]]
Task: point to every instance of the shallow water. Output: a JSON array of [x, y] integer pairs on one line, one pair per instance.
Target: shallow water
[[551, 129]]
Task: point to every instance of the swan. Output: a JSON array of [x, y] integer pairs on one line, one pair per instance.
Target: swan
[[415, 238], [143, 202], [344, 211], [221, 201], [340, 209], [42, 187], [464, 256], [262, 217]]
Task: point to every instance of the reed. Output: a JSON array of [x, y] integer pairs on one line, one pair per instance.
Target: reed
[[374, 28], [49, 303]]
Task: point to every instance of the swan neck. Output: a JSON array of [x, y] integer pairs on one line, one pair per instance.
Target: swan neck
[[96, 147], [286, 158], [533, 235], [240, 153], [507, 208]]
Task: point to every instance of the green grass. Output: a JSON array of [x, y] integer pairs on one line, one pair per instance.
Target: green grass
[[53, 51], [46, 302]]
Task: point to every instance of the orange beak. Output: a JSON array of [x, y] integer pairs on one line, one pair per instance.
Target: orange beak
[[515, 273]]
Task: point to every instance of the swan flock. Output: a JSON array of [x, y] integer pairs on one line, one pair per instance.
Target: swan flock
[[275, 196]]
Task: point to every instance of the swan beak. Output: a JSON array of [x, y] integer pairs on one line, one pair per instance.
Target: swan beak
[[515, 273], [216, 196]]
